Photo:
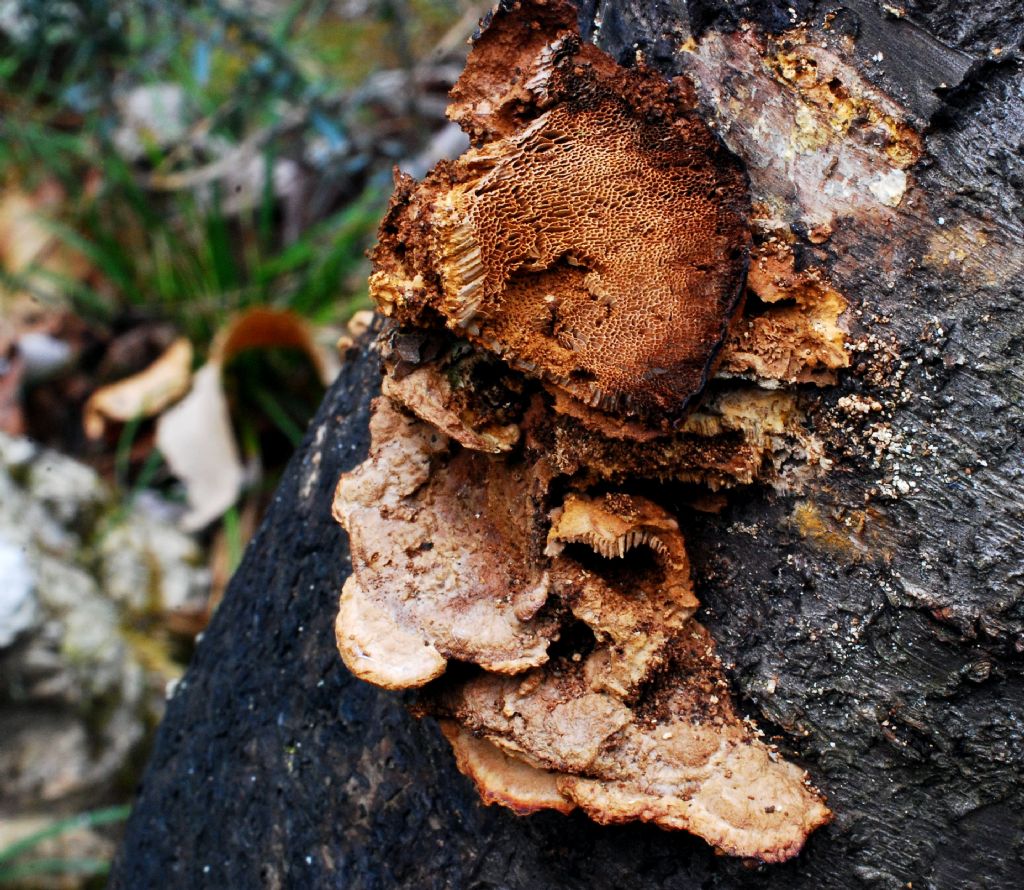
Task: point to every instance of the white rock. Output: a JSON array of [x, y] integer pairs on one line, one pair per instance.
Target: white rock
[[71, 491], [43, 354], [153, 114], [146, 563], [18, 607], [16, 452]]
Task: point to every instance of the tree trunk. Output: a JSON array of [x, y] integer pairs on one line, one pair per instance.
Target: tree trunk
[[880, 644]]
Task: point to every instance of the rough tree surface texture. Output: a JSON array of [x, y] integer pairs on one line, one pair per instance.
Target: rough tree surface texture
[[868, 604]]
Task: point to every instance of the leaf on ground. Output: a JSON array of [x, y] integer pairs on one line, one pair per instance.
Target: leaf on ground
[[141, 395], [196, 436], [196, 440], [31, 251]]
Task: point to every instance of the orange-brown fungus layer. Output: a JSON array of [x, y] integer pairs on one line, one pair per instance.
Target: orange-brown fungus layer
[[797, 338], [600, 245], [736, 437]]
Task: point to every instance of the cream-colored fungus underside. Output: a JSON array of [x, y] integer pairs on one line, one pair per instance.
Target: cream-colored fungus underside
[[682, 758]]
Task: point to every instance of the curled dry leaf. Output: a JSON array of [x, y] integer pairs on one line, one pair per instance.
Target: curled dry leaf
[[12, 418], [263, 328], [196, 440], [142, 395], [196, 435]]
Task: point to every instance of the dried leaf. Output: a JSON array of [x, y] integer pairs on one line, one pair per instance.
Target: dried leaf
[[30, 248], [144, 394], [262, 328], [196, 437], [196, 440]]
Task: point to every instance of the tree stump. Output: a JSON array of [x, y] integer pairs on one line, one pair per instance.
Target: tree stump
[[873, 623]]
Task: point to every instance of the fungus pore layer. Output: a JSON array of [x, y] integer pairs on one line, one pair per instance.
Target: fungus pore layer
[[596, 237]]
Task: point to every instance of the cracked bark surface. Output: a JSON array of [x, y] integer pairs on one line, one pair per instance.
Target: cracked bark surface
[[875, 634]]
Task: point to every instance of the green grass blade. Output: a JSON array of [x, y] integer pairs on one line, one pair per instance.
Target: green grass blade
[[278, 415], [90, 819]]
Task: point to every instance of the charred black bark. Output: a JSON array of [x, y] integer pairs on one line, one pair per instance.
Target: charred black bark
[[896, 675]]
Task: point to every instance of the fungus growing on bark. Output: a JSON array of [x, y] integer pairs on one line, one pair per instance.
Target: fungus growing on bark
[[636, 605], [681, 757], [559, 297], [441, 559], [532, 244], [502, 779], [798, 337], [735, 437]]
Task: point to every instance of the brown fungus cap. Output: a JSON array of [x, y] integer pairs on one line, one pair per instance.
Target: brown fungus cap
[[596, 238], [442, 559], [502, 779], [681, 758]]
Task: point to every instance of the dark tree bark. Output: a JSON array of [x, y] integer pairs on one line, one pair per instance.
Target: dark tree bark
[[894, 673]]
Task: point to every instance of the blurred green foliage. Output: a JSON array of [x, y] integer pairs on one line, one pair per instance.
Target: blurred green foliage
[[17, 864], [278, 83]]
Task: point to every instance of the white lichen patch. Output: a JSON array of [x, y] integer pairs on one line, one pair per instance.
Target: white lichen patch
[[889, 187]]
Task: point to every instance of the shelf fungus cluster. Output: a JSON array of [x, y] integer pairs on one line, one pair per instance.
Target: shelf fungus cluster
[[555, 303]]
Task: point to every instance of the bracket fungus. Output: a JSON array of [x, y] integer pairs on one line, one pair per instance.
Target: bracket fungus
[[532, 244], [556, 301]]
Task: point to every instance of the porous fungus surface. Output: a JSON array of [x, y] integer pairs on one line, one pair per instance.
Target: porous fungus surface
[[532, 245], [559, 297]]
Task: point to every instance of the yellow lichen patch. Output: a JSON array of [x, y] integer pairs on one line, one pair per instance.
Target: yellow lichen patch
[[979, 254], [798, 337], [837, 536], [833, 107]]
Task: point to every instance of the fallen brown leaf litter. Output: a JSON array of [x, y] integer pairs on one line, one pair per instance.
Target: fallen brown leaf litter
[[557, 300]]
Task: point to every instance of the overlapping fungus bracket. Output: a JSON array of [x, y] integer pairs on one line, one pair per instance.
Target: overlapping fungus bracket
[[559, 296], [596, 237]]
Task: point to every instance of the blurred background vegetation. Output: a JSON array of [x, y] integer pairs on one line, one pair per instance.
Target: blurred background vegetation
[[187, 192]]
